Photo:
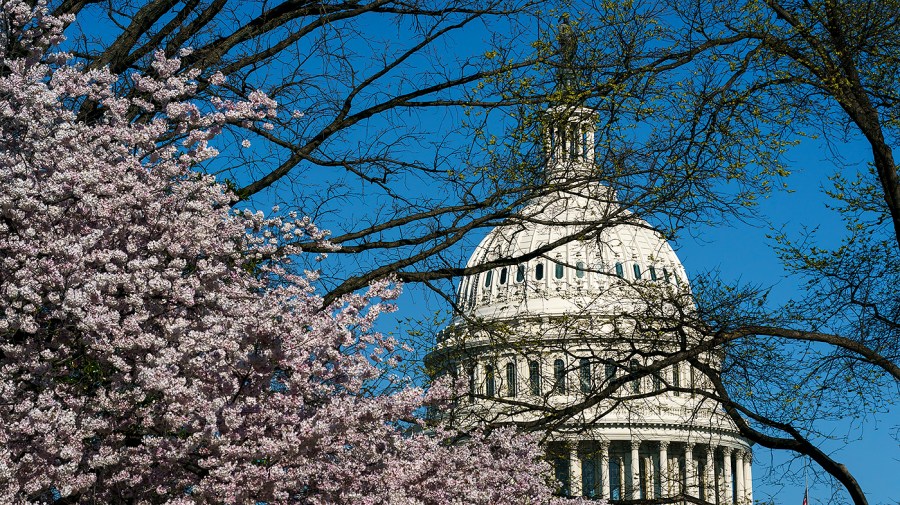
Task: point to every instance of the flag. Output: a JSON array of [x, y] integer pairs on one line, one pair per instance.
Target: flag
[[806, 497]]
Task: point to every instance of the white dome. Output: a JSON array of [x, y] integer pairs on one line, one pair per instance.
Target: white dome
[[600, 273]]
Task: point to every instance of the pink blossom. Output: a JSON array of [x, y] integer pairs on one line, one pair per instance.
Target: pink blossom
[[156, 348]]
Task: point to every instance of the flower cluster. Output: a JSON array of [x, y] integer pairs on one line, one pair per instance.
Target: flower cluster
[[154, 348]]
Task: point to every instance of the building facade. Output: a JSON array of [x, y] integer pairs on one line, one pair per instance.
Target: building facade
[[580, 340]]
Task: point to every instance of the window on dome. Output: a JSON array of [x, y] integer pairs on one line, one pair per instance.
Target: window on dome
[[534, 377], [584, 375], [512, 383], [609, 371], [573, 143], [636, 383], [539, 271], [560, 270], [620, 271], [652, 273], [693, 384], [637, 271], [579, 269], [666, 274], [559, 376], [487, 278], [503, 276], [520, 273], [490, 383], [562, 142]]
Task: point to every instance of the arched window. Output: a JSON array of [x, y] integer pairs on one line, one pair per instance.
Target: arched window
[[579, 269], [534, 377], [472, 385], [487, 278], [512, 384], [559, 376], [657, 382], [619, 270], [637, 271], [584, 375], [560, 270], [609, 371], [652, 273], [520, 273], [490, 384], [503, 276], [539, 271]]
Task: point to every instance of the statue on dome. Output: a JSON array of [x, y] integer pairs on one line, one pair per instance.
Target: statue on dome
[[566, 74]]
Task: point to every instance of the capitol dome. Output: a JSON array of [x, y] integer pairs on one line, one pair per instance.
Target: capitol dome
[[599, 273], [573, 323]]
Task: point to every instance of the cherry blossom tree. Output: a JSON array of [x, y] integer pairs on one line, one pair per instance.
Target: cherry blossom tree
[[156, 346]]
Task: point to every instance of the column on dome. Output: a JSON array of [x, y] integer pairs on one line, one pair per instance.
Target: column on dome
[[739, 477], [649, 478], [720, 480], [748, 476], [574, 470], [576, 137], [676, 485], [604, 470], [664, 468], [727, 495], [690, 470], [635, 470], [590, 143], [709, 473]]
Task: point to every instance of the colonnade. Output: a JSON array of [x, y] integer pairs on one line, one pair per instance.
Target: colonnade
[[646, 469]]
